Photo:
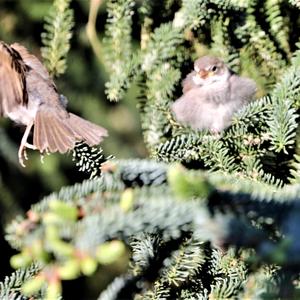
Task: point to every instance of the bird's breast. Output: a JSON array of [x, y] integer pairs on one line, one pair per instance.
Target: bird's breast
[[24, 114], [38, 89], [218, 93]]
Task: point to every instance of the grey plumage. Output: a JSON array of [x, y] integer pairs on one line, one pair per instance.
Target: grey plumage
[[211, 95]]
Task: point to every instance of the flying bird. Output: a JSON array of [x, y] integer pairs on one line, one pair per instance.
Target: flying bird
[[212, 93], [28, 96]]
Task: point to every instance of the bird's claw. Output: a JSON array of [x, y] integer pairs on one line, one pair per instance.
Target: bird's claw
[[25, 154], [43, 155], [22, 154]]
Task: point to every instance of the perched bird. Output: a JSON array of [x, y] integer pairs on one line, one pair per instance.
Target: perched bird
[[29, 97], [212, 93]]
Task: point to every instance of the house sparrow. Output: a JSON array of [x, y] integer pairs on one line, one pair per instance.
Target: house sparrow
[[211, 95], [29, 97]]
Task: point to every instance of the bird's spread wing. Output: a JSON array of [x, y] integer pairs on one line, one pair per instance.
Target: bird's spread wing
[[12, 79], [31, 61]]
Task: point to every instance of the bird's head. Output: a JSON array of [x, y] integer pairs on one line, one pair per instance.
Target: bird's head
[[210, 69]]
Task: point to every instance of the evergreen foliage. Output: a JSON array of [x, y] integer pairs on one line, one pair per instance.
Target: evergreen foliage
[[57, 36], [260, 48], [89, 159], [168, 237], [118, 44], [10, 288], [224, 225]]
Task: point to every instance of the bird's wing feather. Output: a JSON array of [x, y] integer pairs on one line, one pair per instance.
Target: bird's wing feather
[[189, 108], [242, 89], [51, 133], [12, 79], [31, 61], [188, 83]]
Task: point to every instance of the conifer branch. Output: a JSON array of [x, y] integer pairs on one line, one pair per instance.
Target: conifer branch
[[118, 54], [10, 287], [228, 232], [57, 36]]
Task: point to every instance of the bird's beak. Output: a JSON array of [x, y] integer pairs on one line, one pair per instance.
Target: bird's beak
[[204, 74]]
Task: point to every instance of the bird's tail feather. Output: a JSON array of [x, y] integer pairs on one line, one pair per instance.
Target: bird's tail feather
[[86, 131], [53, 133]]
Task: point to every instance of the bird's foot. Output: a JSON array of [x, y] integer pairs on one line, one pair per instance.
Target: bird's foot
[[215, 133], [22, 154], [43, 155]]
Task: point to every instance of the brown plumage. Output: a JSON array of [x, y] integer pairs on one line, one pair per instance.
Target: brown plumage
[[29, 97], [188, 83], [12, 76]]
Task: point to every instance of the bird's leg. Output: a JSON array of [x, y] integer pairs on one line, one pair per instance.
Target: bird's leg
[[22, 149]]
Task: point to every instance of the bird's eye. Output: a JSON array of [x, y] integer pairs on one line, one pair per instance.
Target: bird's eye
[[214, 68]]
